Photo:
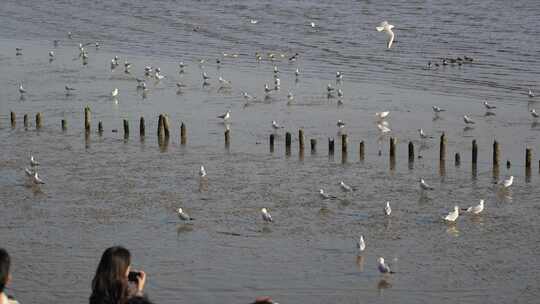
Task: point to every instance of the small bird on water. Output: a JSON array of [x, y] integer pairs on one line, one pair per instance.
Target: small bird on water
[[266, 215], [534, 114], [467, 120], [489, 106], [225, 116], [36, 179], [387, 209], [361, 245], [183, 215], [202, 172], [387, 28], [383, 267], [452, 215], [424, 185], [475, 209]]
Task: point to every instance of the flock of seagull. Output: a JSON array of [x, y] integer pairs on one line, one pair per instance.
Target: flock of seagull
[[381, 122]]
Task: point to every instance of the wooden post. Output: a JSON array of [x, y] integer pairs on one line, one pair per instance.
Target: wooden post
[[166, 126], [160, 129], [344, 143], [508, 164], [288, 143], [64, 125], [100, 128], [411, 152], [38, 120], [13, 119], [25, 121], [271, 143], [474, 152], [142, 128], [528, 163], [301, 140], [227, 137], [183, 137], [313, 143], [87, 119], [442, 148], [496, 152], [361, 150], [457, 159], [126, 128], [392, 148], [330, 146]]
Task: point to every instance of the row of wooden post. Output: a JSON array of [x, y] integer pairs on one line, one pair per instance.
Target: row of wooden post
[[163, 132]]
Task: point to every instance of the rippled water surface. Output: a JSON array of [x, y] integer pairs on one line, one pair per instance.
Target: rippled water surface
[[108, 189]]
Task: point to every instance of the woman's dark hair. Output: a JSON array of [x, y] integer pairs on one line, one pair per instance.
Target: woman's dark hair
[[110, 284], [4, 268]]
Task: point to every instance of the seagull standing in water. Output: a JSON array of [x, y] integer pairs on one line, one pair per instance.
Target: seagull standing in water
[[225, 116], [183, 215], [437, 109], [202, 172], [452, 215], [266, 215], [341, 124], [475, 209], [384, 129], [425, 186], [507, 182], [387, 28], [276, 126], [21, 89], [345, 186], [36, 179], [114, 93], [29, 172], [325, 195], [467, 120], [361, 245], [422, 134], [387, 209], [383, 268], [531, 94], [382, 115], [33, 161], [488, 106], [534, 114]]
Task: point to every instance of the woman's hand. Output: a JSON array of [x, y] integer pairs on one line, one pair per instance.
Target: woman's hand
[[141, 280]]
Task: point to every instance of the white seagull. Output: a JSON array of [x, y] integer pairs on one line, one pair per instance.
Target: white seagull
[[341, 124], [384, 129], [507, 182], [345, 186], [425, 186], [452, 215], [325, 195], [183, 215], [290, 97], [361, 245], [275, 125], [202, 172], [114, 92], [534, 114], [36, 179], [531, 94], [33, 161], [383, 268], [339, 76], [437, 109], [467, 120], [224, 83], [422, 133], [266, 215], [387, 27], [382, 115], [28, 171], [475, 209], [225, 116], [21, 89], [387, 209], [488, 106], [297, 72]]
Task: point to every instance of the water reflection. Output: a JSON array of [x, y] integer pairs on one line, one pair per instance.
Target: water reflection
[[360, 263], [383, 284]]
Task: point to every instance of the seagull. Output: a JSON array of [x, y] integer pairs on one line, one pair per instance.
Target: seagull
[[183, 215], [345, 186], [452, 215], [339, 76], [253, 21], [225, 116], [294, 57], [205, 77], [475, 209], [158, 76], [277, 83], [247, 96], [387, 209], [266, 215], [467, 120], [325, 195], [33, 161], [275, 125], [276, 71], [422, 134], [387, 27], [534, 114], [114, 92], [531, 94], [488, 106], [127, 66], [297, 72], [341, 124], [51, 55], [224, 83], [329, 88], [69, 90], [290, 97], [36, 179], [382, 115], [425, 186], [383, 268], [267, 88], [340, 93], [202, 172], [360, 244], [21, 89], [28, 171], [437, 109], [384, 129], [312, 24], [507, 182]]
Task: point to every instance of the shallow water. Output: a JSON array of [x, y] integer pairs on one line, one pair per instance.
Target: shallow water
[[107, 190]]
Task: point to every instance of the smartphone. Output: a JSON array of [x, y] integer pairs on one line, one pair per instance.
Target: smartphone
[[133, 276]]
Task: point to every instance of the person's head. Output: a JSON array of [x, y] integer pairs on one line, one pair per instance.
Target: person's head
[[4, 269], [139, 300], [110, 284]]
